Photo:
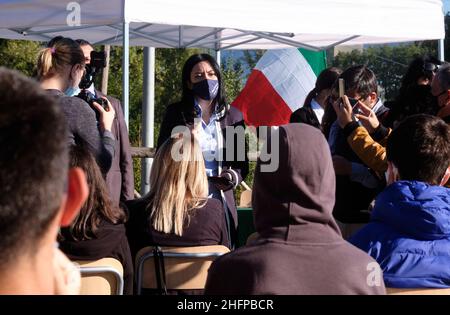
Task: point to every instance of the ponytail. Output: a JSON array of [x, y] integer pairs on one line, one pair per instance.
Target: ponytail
[[64, 51], [310, 97], [45, 62]]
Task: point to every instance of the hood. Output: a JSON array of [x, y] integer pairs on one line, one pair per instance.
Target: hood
[[108, 237], [295, 202], [417, 209]]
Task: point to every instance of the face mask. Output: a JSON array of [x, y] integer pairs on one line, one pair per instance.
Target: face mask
[[206, 89], [72, 91]]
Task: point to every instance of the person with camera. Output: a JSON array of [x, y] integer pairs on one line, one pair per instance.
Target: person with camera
[[120, 178], [60, 68]]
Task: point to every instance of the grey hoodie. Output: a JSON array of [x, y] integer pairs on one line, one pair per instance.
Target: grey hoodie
[[300, 249]]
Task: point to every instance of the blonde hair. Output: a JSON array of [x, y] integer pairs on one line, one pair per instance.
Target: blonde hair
[[65, 51], [177, 185]]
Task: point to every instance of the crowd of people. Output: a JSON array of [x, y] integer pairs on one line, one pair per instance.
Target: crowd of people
[[66, 179]]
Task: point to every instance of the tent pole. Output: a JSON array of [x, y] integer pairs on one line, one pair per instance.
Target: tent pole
[[218, 57], [441, 55], [148, 115], [217, 36], [126, 71]]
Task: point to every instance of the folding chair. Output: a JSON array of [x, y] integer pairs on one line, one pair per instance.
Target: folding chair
[[417, 291], [183, 268], [101, 277]]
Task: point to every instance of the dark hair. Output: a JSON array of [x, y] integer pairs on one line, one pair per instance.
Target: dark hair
[[420, 67], [416, 99], [443, 76], [324, 81], [33, 163], [420, 148], [64, 51], [188, 97], [83, 42], [359, 79], [98, 206]]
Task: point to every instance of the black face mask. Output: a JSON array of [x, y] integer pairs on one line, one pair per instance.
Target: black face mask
[[206, 89]]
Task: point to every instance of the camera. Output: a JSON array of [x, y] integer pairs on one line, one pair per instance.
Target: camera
[[98, 62]]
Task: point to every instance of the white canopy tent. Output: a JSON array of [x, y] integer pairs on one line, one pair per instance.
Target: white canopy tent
[[218, 24]]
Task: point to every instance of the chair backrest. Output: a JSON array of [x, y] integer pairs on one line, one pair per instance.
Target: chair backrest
[[417, 291], [101, 277], [186, 268], [245, 199]]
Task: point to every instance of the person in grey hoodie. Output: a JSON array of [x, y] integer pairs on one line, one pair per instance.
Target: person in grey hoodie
[[299, 249]]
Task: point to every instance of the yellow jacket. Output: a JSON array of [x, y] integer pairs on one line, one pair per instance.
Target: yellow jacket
[[372, 153]]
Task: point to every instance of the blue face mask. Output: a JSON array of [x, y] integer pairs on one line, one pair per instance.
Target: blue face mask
[[72, 91], [206, 89]]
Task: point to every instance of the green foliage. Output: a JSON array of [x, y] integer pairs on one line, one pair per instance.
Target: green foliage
[[251, 57], [232, 78], [19, 55], [388, 62]]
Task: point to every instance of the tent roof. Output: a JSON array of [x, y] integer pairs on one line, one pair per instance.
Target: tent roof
[[238, 24]]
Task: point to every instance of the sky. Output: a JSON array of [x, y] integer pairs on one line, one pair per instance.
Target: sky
[[446, 5]]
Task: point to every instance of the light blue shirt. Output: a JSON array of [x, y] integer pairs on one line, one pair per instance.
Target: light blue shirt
[[208, 141]]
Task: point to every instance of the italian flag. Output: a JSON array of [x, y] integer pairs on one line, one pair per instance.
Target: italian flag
[[278, 85]]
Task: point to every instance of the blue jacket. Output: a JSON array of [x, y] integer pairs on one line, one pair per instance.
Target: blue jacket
[[409, 235]]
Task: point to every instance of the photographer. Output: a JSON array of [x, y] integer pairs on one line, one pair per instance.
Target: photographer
[[60, 69], [120, 179]]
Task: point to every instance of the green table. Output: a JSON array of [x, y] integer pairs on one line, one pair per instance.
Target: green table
[[245, 225]]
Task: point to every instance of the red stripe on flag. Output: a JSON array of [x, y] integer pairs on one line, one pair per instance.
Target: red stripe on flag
[[260, 104]]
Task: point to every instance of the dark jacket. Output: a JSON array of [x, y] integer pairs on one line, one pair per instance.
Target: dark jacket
[[300, 249], [409, 235], [180, 115], [83, 128], [207, 226], [305, 115], [352, 198], [120, 178], [111, 242]]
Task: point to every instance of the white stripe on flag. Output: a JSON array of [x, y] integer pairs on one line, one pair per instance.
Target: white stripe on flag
[[289, 73]]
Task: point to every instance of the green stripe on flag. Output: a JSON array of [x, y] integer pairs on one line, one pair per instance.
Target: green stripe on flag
[[316, 59]]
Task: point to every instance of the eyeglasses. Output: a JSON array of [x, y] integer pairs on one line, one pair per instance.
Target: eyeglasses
[[354, 101]]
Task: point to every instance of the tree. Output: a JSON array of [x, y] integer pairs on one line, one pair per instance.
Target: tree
[[389, 63]]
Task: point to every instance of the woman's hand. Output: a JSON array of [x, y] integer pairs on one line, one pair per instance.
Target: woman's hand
[[106, 116]]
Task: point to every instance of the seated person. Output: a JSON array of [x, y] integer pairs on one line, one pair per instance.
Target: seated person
[[177, 210], [299, 249], [409, 234], [38, 191], [98, 231]]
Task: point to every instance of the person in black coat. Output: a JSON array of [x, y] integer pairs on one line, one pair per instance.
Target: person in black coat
[[220, 130], [98, 231], [313, 109]]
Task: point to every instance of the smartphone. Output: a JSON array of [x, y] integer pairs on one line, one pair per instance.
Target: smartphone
[[341, 87]]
